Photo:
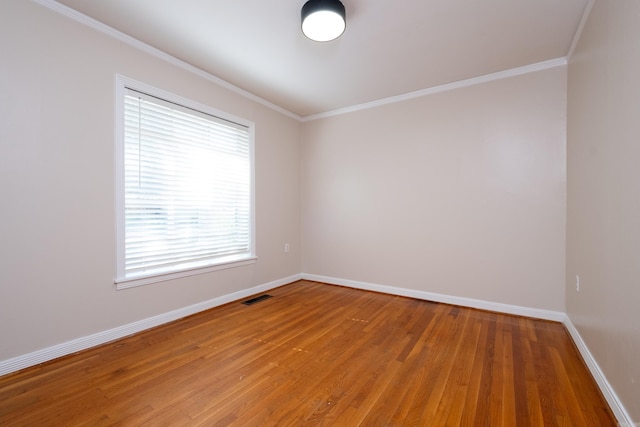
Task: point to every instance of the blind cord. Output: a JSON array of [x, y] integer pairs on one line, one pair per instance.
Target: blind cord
[[139, 142]]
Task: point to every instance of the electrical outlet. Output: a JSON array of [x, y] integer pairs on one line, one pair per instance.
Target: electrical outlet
[[286, 247], [577, 283]]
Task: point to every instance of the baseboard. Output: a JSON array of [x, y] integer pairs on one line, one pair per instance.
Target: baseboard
[[537, 313], [70, 347], [621, 414]]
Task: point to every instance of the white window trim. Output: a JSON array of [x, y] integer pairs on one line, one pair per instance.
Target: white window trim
[[122, 282]]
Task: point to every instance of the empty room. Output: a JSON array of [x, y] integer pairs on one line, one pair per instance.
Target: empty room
[[233, 213]]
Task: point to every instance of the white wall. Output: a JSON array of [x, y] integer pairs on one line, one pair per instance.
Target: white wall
[[460, 193], [57, 235], [603, 209]]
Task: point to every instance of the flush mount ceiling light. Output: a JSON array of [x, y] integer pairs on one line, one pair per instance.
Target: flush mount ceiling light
[[323, 20]]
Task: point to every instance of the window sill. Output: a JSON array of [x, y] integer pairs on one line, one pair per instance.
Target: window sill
[[147, 279]]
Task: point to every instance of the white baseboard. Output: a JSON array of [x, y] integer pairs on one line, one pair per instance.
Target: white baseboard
[[70, 347], [621, 414], [537, 313]]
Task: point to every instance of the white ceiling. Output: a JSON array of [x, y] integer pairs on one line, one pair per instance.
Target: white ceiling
[[389, 47]]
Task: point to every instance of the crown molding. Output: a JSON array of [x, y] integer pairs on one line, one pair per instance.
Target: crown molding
[[583, 22], [120, 36], [443, 88]]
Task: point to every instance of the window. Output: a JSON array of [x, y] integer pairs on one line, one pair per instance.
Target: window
[[184, 187]]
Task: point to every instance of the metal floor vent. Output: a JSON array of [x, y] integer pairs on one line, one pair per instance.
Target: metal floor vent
[[256, 299]]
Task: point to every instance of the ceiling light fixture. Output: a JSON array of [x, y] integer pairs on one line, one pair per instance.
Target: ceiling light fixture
[[323, 20]]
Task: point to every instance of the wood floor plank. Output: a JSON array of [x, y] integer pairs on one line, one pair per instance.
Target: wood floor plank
[[465, 380], [534, 406], [316, 355], [472, 399]]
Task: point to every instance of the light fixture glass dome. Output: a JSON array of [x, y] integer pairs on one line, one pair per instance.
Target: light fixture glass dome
[[323, 20]]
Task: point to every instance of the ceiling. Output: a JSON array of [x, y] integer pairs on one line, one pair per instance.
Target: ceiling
[[389, 48]]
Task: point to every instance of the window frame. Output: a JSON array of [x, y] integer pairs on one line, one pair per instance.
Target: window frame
[[121, 281]]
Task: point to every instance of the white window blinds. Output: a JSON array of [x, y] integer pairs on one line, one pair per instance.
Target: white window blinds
[[187, 188]]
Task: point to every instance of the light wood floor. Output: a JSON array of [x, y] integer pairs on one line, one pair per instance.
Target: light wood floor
[[317, 354]]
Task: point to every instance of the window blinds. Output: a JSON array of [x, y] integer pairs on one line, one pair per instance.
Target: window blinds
[[187, 179]]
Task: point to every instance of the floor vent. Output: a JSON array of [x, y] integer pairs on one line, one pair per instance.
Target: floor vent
[[256, 299]]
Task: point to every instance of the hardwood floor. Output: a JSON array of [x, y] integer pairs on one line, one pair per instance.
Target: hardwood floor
[[317, 354]]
